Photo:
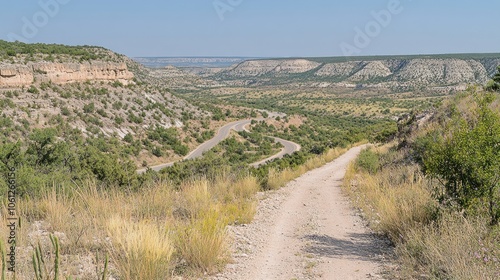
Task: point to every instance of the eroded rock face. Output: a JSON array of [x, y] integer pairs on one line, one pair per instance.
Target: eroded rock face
[[341, 69], [295, 66], [15, 75], [386, 73], [61, 73], [261, 67], [442, 71], [372, 70]]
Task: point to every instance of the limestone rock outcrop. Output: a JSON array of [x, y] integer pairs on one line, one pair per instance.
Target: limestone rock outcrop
[[12, 75], [255, 68], [384, 72]]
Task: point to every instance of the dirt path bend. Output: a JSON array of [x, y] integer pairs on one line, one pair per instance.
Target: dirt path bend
[[307, 230], [224, 132]]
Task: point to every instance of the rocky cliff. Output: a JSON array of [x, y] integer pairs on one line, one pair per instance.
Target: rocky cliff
[[18, 75], [446, 71]]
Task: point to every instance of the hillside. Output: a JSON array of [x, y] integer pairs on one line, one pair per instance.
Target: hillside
[[434, 191], [441, 72], [99, 93]]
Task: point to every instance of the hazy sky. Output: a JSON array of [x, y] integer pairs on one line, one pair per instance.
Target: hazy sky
[[258, 28]]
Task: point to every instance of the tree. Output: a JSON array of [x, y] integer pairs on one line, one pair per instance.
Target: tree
[[494, 84], [496, 78], [41, 146], [466, 158]]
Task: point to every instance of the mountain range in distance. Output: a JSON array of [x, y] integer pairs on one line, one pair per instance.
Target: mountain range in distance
[[442, 72], [204, 62]]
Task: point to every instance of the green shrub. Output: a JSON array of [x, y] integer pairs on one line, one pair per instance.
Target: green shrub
[[89, 108], [33, 90], [466, 158], [369, 161]]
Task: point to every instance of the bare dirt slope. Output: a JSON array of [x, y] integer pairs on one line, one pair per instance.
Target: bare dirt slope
[[307, 230]]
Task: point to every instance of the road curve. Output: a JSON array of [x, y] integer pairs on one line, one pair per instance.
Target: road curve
[[289, 148], [223, 133]]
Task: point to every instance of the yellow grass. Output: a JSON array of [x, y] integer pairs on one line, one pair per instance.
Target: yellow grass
[[141, 250], [146, 233], [452, 248], [152, 234], [430, 243], [202, 242]]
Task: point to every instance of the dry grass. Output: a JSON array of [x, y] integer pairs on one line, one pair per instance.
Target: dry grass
[[149, 234], [431, 243], [140, 250], [152, 234], [451, 248], [393, 200], [202, 241]]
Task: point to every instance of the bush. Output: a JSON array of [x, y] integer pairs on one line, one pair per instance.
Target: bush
[[368, 161], [466, 157], [33, 90], [128, 138], [89, 108]]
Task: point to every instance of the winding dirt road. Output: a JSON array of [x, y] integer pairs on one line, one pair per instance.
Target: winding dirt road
[[307, 230], [289, 147], [223, 133]]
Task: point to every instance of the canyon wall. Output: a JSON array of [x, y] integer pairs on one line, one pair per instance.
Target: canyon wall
[[376, 72], [14, 75]]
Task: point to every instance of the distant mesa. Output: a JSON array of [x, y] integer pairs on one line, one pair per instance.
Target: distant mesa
[[449, 71], [439, 72]]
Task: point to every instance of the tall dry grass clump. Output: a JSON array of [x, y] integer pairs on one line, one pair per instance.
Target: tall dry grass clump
[[394, 200], [451, 248], [209, 206], [140, 250], [196, 198], [237, 198], [202, 241]]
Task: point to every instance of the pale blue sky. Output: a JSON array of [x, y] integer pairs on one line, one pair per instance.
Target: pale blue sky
[[257, 28]]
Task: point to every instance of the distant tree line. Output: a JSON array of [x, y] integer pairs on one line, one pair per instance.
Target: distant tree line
[[9, 49]]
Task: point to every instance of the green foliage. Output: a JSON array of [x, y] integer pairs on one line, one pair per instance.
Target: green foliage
[[33, 90], [369, 161], [466, 157], [134, 119], [494, 84], [13, 48], [128, 138], [496, 78], [167, 137], [65, 111], [4, 264], [42, 272], [51, 157], [89, 108], [119, 120]]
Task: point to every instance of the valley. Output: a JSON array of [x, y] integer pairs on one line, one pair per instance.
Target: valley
[[152, 165]]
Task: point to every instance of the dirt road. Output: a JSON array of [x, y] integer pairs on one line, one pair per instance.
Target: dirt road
[[307, 230], [223, 133], [289, 148]]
